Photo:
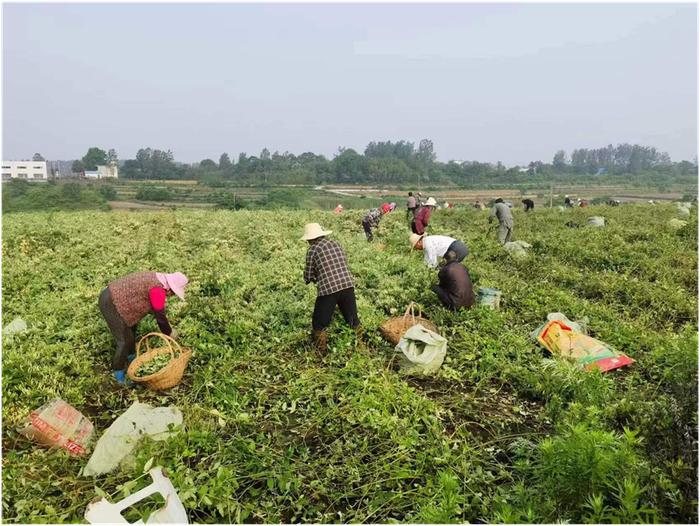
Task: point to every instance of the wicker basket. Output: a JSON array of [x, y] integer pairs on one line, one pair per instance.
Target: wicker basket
[[393, 328], [168, 376]]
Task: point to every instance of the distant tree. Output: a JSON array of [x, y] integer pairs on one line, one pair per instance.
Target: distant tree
[[224, 162], [208, 164], [560, 160], [112, 156], [38, 157], [94, 158], [77, 167], [265, 155], [425, 151]]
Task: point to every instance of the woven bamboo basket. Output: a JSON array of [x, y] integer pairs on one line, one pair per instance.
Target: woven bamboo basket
[[393, 328], [170, 375]]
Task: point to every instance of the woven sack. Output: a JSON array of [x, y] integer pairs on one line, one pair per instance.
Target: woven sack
[[171, 374], [394, 328]]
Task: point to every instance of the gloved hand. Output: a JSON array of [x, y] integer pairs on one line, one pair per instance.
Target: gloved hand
[[173, 334], [120, 376]]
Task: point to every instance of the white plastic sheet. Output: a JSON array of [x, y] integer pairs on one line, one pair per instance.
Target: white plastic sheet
[[517, 249], [122, 436]]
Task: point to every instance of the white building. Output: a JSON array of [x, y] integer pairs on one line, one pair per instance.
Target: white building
[[27, 170], [103, 172]]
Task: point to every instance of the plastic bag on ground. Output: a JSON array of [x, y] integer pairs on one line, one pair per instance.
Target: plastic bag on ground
[[517, 249], [125, 432], [562, 340], [596, 221], [59, 424], [16, 326], [684, 209], [489, 298], [578, 325], [676, 223], [423, 350], [104, 512]]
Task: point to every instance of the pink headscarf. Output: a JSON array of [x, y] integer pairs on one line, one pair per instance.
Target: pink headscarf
[[176, 282]]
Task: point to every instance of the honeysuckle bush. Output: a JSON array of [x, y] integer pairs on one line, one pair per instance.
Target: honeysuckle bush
[[503, 433]]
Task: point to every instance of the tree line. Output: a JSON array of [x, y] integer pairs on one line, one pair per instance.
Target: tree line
[[389, 163]]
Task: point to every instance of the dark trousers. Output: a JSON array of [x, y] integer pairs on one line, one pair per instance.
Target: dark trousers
[[444, 296], [460, 249], [413, 227], [325, 308], [411, 213], [124, 335], [368, 230]]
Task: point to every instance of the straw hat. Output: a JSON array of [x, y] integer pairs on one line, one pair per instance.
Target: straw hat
[[312, 231], [413, 239], [430, 202]]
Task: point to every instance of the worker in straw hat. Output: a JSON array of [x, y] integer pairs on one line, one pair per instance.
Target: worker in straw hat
[[327, 266], [423, 217], [435, 247], [127, 300], [338, 209]]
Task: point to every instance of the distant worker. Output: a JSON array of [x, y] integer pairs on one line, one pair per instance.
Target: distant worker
[[372, 219], [422, 218], [420, 200], [127, 300], [505, 221], [478, 204], [567, 202], [327, 266], [338, 209], [583, 203], [435, 247], [454, 286], [529, 204], [411, 206]]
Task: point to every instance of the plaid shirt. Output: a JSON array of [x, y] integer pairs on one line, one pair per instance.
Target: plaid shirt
[[327, 266], [373, 217]]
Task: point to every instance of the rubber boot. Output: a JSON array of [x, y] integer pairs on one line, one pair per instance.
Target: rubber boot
[[320, 342]]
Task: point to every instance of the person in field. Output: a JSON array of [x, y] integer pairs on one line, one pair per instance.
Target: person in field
[[454, 286], [422, 218], [127, 300], [435, 247], [338, 209], [411, 206], [528, 204], [327, 266], [501, 211], [372, 219]]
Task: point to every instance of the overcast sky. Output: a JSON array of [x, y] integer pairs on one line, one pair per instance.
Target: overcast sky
[[485, 82]]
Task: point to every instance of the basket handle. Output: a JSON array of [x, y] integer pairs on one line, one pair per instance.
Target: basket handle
[[168, 340], [411, 307]]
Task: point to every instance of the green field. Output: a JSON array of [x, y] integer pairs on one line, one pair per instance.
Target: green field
[[503, 433]]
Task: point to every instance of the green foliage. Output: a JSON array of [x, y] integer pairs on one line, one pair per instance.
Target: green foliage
[[154, 193], [503, 433], [40, 196], [108, 192]]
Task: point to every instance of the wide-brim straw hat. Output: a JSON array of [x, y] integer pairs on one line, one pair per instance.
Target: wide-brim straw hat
[[431, 202], [414, 238], [313, 231]]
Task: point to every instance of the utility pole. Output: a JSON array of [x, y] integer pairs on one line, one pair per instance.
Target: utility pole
[[551, 194]]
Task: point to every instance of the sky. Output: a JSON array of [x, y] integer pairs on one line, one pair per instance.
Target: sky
[[485, 82]]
